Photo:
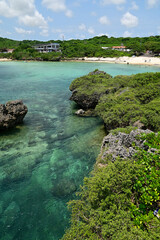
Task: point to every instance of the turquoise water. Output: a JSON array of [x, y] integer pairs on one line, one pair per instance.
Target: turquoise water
[[43, 162]]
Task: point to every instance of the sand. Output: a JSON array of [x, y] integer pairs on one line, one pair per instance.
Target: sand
[[5, 59], [122, 60], [127, 60]]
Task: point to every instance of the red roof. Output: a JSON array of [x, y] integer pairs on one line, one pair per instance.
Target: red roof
[[118, 47]]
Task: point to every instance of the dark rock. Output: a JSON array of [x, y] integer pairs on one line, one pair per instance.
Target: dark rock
[[87, 90], [12, 113], [122, 145], [85, 101]]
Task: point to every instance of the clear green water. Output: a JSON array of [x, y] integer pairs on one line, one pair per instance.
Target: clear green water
[[44, 161]]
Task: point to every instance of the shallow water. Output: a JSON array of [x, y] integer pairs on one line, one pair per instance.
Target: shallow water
[[43, 162]]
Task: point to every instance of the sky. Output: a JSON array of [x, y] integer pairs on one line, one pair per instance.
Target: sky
[[78, 19]]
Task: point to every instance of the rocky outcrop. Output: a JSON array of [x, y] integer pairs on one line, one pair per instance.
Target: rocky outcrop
[[87, 90], [85, 101], [12, 113], [121, 145]]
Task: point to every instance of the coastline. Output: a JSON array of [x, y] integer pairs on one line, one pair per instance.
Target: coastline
[[149, 61], [5, 60]]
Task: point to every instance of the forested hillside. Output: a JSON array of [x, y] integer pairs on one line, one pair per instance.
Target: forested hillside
[[83, 48]]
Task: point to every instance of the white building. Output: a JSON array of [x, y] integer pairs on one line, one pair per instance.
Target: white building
[[45, 48], [121, 48]]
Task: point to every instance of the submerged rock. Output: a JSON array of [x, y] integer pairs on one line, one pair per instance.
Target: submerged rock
[[64, 187], [11, 213], [12, 113]]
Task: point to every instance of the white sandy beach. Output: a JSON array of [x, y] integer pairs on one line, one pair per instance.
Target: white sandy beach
[[5, 59], [122, 60], [126, 60]]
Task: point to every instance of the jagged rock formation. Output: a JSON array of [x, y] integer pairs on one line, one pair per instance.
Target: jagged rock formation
[[86, 102], [87, 90], [121, 145], [12, 113]]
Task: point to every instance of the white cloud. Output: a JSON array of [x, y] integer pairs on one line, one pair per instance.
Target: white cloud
[[152, 3], [129, 20], [69, 13], [23, 31], [127, 34], [78, 3], [0, 21], [82, 27], [25, 11], [94, 14], [14, 8], [102, 34], [134, 6], [35, 20], [49, 19], [116, 2], [120, 8], [104, 20], [57, 6], [91, 30], [44, 32], [158, 30]]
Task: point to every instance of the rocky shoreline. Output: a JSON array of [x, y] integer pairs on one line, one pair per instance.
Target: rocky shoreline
[[121, 145], [123, 188], [12, 113]]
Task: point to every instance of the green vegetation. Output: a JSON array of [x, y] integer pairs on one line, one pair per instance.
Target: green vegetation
[[147, 185], [123, 100], [126, 130], [118, 201], [83, 48], [92, 84], [137, 99]]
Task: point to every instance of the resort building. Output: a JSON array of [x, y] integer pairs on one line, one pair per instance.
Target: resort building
[[45, 48], [121, 48], [5, 50], [10, 50], [105, 48]]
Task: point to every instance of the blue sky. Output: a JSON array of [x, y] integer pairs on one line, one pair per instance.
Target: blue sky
[[78, 19]]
